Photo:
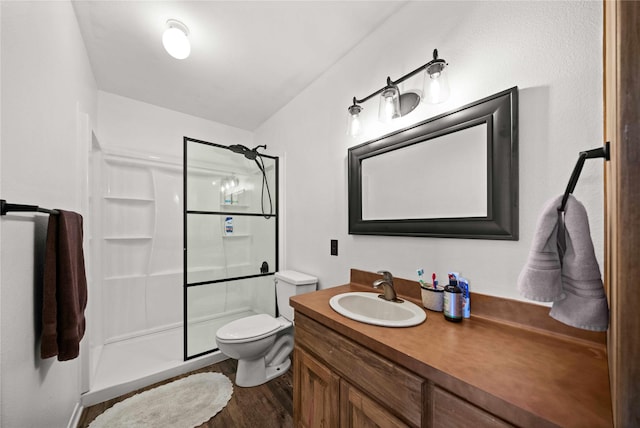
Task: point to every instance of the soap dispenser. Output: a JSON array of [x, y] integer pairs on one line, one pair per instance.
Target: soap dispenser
[[452, 307]]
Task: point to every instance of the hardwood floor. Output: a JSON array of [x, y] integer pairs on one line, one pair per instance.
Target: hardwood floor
[[269, 405]]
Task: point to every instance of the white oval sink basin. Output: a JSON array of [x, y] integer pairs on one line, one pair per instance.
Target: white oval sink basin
[[369, 308]]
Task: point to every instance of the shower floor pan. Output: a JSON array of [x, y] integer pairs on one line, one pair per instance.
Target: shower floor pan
[[128, 365]]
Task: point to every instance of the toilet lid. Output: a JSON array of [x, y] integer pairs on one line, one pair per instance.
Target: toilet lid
[[296, 278], [248, 327]]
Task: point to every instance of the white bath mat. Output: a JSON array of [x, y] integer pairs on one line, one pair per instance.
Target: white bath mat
[[184, 403]]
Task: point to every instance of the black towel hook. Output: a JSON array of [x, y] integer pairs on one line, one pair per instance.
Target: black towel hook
[[600, 152]]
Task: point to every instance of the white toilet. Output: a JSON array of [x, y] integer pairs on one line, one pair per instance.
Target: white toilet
[[261, 343]]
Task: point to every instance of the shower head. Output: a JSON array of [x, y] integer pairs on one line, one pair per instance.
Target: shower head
[[248, 153], [254, 155], [238, 148]]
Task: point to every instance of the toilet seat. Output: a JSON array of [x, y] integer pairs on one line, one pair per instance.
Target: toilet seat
[[249, 328]]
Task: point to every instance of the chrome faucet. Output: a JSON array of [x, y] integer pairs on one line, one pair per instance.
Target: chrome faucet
[[387, 286]]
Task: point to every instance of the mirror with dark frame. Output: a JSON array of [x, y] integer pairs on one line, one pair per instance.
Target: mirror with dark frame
[[451, 176]]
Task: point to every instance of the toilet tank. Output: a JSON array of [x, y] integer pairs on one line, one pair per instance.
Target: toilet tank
[[289, 283]]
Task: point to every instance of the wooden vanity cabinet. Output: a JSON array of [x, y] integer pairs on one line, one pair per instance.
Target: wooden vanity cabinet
[[340, 383], [509, 365]]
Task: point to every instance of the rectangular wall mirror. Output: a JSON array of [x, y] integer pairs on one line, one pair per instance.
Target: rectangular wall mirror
[[451, 176]]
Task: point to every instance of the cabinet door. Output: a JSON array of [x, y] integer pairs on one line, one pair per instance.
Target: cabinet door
[[359, 411], [388, 382], [316, 393]]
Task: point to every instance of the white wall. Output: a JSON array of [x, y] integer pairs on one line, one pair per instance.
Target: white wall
[[48, 103], [137, 126], [551, 50]]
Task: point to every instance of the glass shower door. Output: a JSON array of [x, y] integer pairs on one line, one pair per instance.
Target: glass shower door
[[230, 239]]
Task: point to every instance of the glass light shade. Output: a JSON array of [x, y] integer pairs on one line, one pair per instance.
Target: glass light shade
[[175, 40], [389, 104], [354, 124], [436, 84]]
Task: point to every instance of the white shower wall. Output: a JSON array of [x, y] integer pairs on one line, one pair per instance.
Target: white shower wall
[[140, 205], [140, 211]]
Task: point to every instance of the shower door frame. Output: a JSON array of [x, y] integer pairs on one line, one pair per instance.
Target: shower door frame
[[186, 212]]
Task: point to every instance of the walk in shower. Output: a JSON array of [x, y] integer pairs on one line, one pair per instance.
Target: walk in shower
[[230, 239], [178, 247]]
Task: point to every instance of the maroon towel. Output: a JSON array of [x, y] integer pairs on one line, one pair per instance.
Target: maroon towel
[[64, 289]]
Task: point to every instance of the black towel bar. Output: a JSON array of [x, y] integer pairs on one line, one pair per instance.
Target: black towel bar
[[5, 207]]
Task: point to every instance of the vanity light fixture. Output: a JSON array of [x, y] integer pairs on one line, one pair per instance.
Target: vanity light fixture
[[389, 102], [394, 104], [436, 83], [175, 39], [354, 125]]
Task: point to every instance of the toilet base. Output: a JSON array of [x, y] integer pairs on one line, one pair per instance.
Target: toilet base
[[253, 372], [275, 371]]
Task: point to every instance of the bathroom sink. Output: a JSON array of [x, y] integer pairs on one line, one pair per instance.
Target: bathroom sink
[[369, 308]]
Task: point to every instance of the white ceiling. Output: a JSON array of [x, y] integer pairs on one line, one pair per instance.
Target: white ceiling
[[248, 58]]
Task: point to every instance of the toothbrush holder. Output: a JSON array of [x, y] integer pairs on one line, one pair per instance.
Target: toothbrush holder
[[432, 298]]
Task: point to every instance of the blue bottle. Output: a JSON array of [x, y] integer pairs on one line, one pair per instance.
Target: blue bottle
[[466, 304]]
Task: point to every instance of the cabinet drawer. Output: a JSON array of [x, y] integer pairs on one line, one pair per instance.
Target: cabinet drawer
[[399, 390], [451, 411]]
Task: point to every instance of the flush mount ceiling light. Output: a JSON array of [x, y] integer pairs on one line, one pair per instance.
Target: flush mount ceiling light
[[393, 104], [175, 39]]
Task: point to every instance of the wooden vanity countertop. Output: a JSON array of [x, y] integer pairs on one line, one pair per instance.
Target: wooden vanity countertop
[[521, 375]]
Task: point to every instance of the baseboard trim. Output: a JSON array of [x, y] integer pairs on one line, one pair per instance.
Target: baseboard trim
[[75, 416]]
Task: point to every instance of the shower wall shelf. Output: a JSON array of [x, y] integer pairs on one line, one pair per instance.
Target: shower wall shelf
[[129, 198], [132, 276], [234, 205], [126, 238], [166, 272]]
